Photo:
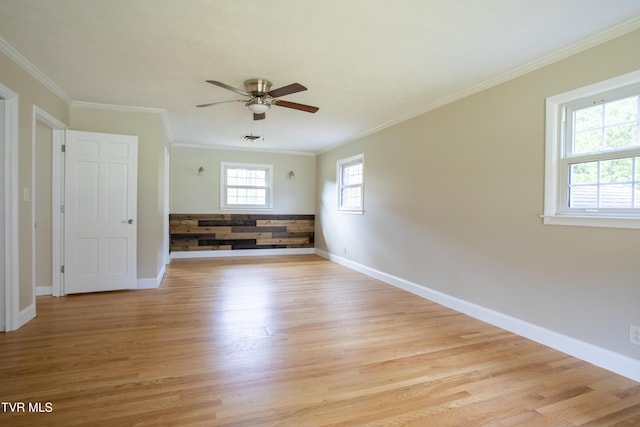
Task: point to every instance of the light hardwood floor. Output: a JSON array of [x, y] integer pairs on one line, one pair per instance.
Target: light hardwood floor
[[289, 341]]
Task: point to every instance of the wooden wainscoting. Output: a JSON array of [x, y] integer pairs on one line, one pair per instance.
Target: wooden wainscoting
[[289, 341], [210, 232]]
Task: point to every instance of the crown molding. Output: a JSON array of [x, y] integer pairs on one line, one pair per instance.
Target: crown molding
[[23, 62], [240, 148], [115, 107]]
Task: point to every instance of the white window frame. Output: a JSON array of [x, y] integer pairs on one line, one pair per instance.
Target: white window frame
[[556, 211], [224, 186], [340, 165]]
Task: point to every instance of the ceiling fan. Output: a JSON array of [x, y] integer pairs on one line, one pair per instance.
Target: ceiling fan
[[262, 97]]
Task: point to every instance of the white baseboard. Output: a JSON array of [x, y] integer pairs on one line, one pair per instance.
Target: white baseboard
[[26, 314], [242, 253], [44, 290], [614, 362], [152, 283]]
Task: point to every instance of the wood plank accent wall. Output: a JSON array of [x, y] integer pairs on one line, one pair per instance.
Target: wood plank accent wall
[[211, 232]]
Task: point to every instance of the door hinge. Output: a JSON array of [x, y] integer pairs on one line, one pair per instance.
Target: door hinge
[[64, 148], [62, 269], [61, 208]]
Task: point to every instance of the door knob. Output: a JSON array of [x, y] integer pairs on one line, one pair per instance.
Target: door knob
[[130, 221]]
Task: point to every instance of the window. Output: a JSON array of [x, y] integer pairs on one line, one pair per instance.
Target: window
[[592, 168], [350, 180], [245, 186]]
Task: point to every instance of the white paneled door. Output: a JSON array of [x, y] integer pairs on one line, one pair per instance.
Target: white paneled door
[[100, 212]]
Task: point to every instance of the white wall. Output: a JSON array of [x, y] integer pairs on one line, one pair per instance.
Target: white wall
[[453, 201], [191, 193]]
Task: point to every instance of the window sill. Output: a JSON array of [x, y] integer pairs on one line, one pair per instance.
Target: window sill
[[244, 209], [354, 212], [591, 221]]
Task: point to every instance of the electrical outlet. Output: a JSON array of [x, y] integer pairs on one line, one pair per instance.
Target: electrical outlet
[[634, 334]]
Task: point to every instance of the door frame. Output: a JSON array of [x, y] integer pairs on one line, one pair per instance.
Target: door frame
[[11, 264], [57, 198]]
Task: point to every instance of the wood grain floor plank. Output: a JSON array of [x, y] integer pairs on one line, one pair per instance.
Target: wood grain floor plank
[[290, 341]]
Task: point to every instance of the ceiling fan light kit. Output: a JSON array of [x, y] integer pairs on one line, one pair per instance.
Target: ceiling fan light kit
[[262, 98], [258, 105]]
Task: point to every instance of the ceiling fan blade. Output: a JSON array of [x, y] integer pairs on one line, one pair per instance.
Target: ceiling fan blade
[[261, 116], [296, 106], [221, 102], [287, 90], [231, 88]]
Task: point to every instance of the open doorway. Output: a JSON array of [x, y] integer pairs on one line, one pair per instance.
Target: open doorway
[[48, 169]]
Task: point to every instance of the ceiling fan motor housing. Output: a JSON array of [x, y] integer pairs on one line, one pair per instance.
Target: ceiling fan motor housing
[[259, 87]]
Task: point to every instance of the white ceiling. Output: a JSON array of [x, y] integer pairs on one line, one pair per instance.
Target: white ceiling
[[366, 63]]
